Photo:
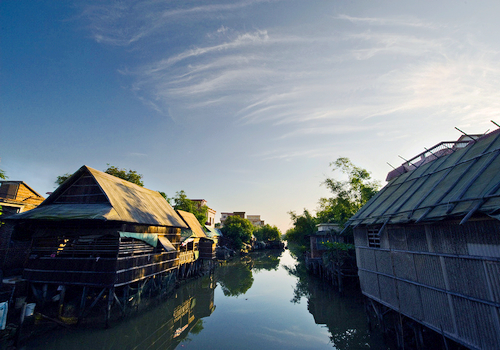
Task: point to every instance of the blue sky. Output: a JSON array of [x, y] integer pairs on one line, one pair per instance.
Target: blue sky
[[242, 103]]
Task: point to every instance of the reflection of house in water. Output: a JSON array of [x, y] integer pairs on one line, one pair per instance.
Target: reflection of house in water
[[348, 329], [428, 244], [163, 325]]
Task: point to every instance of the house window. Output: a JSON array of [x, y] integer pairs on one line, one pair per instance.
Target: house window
[[8, 190], [373, 238]]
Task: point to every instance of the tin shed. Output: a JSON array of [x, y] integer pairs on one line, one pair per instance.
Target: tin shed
[[428, 244]]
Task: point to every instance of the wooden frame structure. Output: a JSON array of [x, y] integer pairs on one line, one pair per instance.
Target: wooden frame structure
[[102, 236], [428, 244], [196, 247]]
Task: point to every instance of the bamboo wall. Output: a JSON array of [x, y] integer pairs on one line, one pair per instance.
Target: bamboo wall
[[97, 256], [443, 275]]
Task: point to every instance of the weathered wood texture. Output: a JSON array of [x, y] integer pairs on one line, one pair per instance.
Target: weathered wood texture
[[444, 275]]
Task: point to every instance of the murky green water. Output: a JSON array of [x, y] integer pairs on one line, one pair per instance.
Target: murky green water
[[261, 301]]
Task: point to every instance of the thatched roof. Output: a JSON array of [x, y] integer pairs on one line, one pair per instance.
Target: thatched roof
[[90, 194], [453, 186], [193, 224]]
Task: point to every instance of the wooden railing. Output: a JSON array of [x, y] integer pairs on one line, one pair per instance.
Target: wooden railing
[[186, 257]]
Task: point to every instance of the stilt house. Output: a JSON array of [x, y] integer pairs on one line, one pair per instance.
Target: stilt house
[[15, 197], [327, 232], [428, 244], [97, 230], [194, 242], [213, 233]]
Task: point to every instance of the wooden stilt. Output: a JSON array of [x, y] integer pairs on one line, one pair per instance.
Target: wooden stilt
[[111, 292], [61, 300], [83, 301]]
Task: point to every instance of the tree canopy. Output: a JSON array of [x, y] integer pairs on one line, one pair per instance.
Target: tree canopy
[[128, 175], [237, 231], [348, 197], [267, 233], [182, 202]]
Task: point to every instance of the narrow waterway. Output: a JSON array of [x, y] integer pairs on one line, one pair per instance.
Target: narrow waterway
[[262, 301]]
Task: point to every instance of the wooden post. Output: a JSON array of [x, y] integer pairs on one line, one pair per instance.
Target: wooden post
[[20, 328], [111, 293], [83, 301], [61, 300]]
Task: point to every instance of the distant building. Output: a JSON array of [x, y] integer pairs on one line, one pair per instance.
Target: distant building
[[17, 196], [210, 212], [224, 216], [255, 220]]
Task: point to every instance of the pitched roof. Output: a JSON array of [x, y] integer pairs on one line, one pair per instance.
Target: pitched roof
[[456, 185], [212, 232], [21, 183], [192, 223], [90, 194]]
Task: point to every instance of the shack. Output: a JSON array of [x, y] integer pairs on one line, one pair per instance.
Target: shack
[[196, 247], [15, 197], [428, 244], [100, 237], [327, 232]]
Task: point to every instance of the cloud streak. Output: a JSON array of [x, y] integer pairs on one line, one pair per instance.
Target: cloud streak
[[284, 76]]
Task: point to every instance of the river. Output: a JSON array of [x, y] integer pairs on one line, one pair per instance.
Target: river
[[264, 300]]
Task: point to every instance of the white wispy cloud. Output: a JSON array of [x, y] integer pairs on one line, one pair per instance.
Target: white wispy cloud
[[289, 78], [122, 23], [397, 22]]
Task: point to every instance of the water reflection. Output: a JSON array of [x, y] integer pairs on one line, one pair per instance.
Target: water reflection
[[342, 314], [236, 278], [265, 301], [163, 324]]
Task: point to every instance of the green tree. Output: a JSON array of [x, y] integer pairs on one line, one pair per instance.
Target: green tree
[[164, 195], [303, 226], [182, 202], [128, 175], [237, 231], [348, 195], [267, 233], [60, 179]]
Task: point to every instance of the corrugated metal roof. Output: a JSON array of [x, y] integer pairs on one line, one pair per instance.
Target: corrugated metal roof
[[457, 185], [127, 202], [193, 223], [212, 232]]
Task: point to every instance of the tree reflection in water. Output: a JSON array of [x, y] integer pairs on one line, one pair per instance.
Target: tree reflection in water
[[340, 313], [235, 278]]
